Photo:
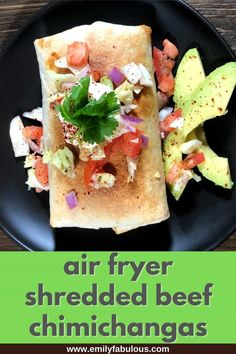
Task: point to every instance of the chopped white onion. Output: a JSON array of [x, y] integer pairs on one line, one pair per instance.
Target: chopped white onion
[[36, 114], [128, 108], [137, 89], [132, 167], [145, 78], [96, 90], [103, 180], [196, 177], [157, 175], [178, 123], [135, 141], [30, 161], [182, 181], [61, 63], [162, 134], [19, 142], [137, 73], [87, 150], [190, 146], [132, 72], [164, 112]]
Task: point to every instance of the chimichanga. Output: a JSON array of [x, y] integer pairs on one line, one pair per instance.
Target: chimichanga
[[126, 187]]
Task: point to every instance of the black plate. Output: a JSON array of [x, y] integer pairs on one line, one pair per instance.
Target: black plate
[[203, 218]]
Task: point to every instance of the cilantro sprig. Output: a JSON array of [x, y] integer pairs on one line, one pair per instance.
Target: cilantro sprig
[[95, 118]]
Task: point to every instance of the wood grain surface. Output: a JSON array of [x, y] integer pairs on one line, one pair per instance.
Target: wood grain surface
[[14, 14]]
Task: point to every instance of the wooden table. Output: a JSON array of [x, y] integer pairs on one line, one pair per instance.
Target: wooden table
[[14, 13]]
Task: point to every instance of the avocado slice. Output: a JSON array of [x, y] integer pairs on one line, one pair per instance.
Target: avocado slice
[[214, 168], [185, 84], [189, 75], [211, 97], [172, 155]]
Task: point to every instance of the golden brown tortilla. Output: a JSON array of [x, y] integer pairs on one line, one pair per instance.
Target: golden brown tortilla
[[128, 204]]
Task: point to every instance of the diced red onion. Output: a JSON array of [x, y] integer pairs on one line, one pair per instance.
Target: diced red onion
[[131, 119], [34, 147], [84, 72], [145, 140], [130, 128], [67, 85], [71, 199], [116, 76]]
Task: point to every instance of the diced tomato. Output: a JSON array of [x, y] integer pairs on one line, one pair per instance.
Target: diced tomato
[[89, 170], [77, 55], [174, 173], [41, 172], [34, 133], [132, 149], [163, 67], [193, 160], [96, 165], [159, 59], [190, 162], [170, 64], [132, 135], [165, 124], [170, 49], [126, 144], [167, 84], [123, 143], [96, 75], [117, 144], [107, 151]]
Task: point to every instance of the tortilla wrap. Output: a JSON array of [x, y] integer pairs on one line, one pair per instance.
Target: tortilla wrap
[[127, 205]]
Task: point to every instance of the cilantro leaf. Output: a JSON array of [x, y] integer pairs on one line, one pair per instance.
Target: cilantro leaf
[[96, 118], [79, 94], [106, 103], [96, 130]]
